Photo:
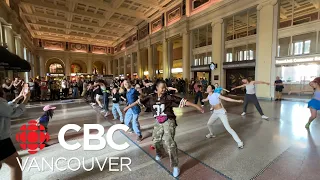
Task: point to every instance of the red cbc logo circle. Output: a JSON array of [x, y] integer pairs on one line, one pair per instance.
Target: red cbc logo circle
[[32, 137]]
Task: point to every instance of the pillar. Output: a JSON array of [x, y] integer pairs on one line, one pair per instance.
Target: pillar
[[132, 65], [165, 59], [266, 47], [19, 47], [8, 37], [125, 58], [42, 66], [114, 67], [170, 57], [139, 68], [1, 35], [217, 53], [150, 63], [186, 55], [89, 66], [119, 67], [110, 67], [67, 68]]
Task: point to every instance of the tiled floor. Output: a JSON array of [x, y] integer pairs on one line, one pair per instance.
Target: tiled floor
[[280, 148]]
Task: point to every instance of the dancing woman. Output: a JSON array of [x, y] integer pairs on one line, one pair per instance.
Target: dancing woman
[[162, 104], [218, 89], [220, 112], [251, 95], [314, 103]]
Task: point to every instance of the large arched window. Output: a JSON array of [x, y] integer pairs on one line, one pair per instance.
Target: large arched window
[[76, 68], [56, 68]]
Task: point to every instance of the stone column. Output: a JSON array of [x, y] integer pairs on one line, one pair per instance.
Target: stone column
[[139, 68], [114, 67], [1, 35], [42, 66], [19, 47], [110, 67], [150, 63], [125, 58], [165, 59], [131, 65], [266, 47], [119, 67], [89, 65], [186, 55], [170, 57], [8, 36], [217, 53], [67, 68]]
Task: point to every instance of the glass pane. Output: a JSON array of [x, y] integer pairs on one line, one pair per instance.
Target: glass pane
[[252, 29], [209, 55], [305, 11], [228, 55], [240, 53], [285, 13], [251, 51], [196, 38], [203, 36], [304, 43], [229, 28], [241, 25], [283, 47], [209, 34]]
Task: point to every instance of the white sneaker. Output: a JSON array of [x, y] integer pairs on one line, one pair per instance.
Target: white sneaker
[[243, 114], [210, 136], [103, 111], [264, 117], [158, 158], [107, 114], [240, 145], [176, 172], [93, 104]]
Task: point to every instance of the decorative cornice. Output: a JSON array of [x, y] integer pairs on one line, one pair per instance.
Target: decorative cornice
[[217, 21]]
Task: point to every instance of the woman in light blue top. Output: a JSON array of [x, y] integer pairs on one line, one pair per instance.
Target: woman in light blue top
[[251, 95], [218, 89], [314, 103], [220, 112]]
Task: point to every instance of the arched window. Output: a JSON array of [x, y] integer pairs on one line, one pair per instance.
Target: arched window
[[56, 68], [76, 68]]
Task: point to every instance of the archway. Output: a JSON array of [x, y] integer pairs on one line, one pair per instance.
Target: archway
[[55, 66], [78, 66], [99, 67]]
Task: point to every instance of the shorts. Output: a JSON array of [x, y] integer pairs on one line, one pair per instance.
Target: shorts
[[279, 89], [314, 104], [7, 149], [98, 96]]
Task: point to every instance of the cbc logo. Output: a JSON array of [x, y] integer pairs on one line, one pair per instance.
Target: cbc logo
[[32, 137]]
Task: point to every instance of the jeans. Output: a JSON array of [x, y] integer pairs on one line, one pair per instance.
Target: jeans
[[115, 110], [131, 120], [75, 92], [106, 101], [252, 98], [221, 113], [198, 96]]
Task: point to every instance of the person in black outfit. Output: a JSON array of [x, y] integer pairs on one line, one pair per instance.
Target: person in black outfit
[[116, 106], [279, 87]]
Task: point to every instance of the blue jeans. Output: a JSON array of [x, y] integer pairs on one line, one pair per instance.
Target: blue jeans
[[131, 120], [115, 110], [75, 92], [106, 101]]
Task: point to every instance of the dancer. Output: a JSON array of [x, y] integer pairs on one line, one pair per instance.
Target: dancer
[[45, 118], [131, 118], [198, 91], [8, 153], [251, 95], [314, 103], [106, 93], [220, 112], [218, 89], [279, 87], [162, 105], [116, 106]]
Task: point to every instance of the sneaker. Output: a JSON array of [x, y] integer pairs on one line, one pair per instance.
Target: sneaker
[[130, 131], [139, 139], [103, 111], [243, 114], [114, 119], [93, 104], [107, 114], [176, 172], [210, 136], [264, 117], [158, 158], [240, 145], [308, 125]]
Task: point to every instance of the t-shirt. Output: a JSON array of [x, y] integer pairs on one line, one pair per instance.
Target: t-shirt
[[278, 82], [214, 99], [116, 98], [43, 85], [218, 90], [164, 105]]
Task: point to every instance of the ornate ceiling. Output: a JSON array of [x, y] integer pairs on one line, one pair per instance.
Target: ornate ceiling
[[97, 22]]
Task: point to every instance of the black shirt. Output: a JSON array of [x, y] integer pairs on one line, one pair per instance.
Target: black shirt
[[116, 98], [279, 82], [163, 106]]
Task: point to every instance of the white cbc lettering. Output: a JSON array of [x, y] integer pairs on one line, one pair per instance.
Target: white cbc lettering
[[97, 136], [159, 109]]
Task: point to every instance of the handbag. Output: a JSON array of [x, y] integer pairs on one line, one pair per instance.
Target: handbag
[[161, 119]]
